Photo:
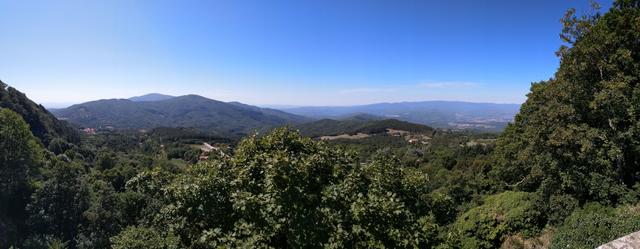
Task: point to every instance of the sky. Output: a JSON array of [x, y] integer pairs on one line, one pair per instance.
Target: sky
[[298, 52]]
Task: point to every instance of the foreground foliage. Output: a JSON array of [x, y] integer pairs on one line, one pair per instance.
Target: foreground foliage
[[502, 214], [284, 190], [595, 225]]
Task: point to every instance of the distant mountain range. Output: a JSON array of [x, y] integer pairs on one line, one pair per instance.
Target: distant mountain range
[[440, 114], [233, 118], [156, 110]]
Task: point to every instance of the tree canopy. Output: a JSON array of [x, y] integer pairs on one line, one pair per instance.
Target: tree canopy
[[579, 132]]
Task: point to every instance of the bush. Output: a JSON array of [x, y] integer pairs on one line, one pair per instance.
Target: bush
[[560, 206], [503, 214], [143, 238], [595, 225]]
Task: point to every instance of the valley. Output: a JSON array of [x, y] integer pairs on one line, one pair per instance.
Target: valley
[[484, 117]]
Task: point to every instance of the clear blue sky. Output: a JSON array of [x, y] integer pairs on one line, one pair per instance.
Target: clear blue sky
[[299, 52]]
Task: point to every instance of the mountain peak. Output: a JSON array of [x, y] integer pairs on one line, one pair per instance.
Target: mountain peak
[[193, 96], [151, 97]]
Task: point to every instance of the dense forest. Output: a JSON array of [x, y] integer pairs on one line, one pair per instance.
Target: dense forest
[[564, 174]]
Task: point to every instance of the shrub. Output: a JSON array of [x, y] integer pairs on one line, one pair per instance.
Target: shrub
[[143, 238], [595, 225], [503, 214]]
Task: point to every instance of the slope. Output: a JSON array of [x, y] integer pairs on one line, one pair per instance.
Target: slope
[[42, 123]]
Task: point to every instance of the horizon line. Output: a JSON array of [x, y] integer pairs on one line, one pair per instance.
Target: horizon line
[[63, 105]]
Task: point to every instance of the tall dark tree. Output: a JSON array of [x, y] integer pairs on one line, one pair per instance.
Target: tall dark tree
[[20, 157]]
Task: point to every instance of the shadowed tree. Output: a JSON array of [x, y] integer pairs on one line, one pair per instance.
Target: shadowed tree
[[20, 157]]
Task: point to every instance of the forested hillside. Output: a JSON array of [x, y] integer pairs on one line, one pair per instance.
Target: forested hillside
[[42, 123], [356, 125], [565, 174], [216, 117]]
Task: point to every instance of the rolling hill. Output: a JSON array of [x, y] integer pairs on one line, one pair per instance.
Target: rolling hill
[[440, 114], [191, 111], [359, 124]]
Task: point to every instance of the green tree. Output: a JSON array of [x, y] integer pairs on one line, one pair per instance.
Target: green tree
[[58, 146], [145, 196], [102, 218], [20, 158], [283, 190], [381, 204], [58, 203], [578, 132], [267, 194]]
